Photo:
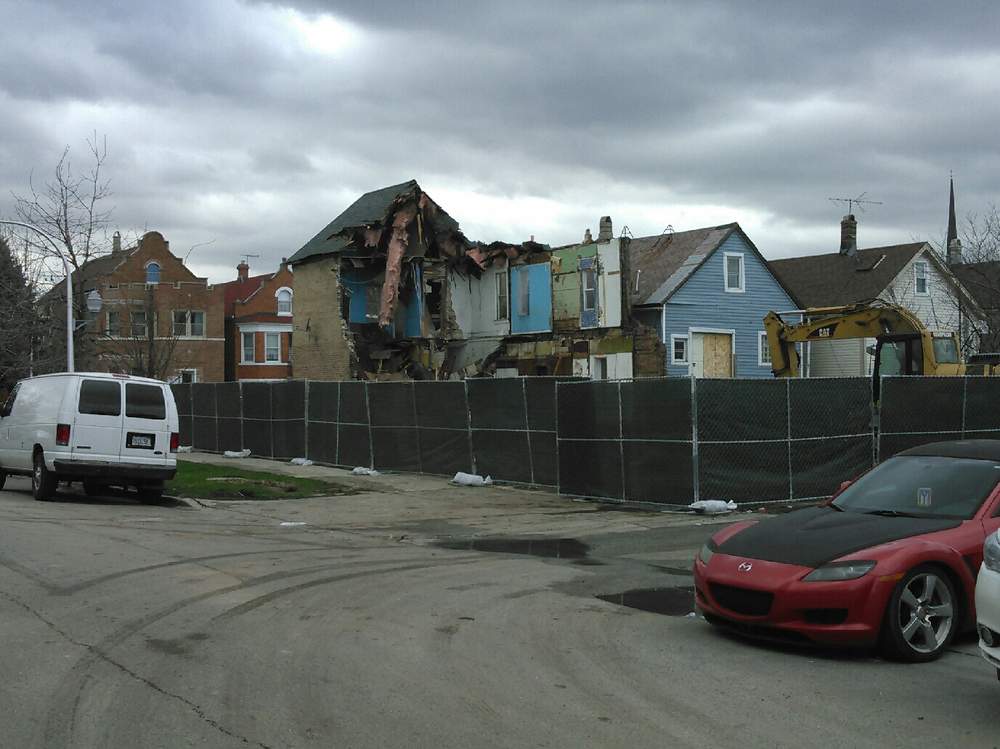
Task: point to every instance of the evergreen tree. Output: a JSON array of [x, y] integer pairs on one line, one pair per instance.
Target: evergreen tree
[[18, 320]]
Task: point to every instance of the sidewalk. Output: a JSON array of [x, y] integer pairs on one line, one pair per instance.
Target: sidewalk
[[430, 507]]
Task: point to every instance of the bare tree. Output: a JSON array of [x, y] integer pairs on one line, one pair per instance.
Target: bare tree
[[71, 207], [136, 344]]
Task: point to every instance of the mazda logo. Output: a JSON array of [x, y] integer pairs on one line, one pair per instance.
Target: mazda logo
[[745, 566]]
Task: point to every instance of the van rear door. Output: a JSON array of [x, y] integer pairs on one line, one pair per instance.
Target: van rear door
[[97, 429], [146, 436]]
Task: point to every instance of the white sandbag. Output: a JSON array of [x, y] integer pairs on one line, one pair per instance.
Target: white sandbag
[[236, 454], [300, 462], [471, 479], [712, 506], [362, 471], [185, 449]]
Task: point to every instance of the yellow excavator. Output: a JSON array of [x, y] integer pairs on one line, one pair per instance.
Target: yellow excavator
[[903, 345]]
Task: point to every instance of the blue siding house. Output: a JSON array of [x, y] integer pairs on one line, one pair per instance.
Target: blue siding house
[[707, 292]]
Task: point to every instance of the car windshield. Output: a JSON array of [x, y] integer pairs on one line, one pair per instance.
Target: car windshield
[[922, 486]]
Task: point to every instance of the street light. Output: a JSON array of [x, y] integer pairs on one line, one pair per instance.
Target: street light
[[69, 286], [94, 302]]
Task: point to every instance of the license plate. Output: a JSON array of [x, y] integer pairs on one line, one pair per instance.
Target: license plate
[[141, 440]]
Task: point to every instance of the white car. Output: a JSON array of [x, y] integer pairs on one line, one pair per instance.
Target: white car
[[988, 601], [98, 428]]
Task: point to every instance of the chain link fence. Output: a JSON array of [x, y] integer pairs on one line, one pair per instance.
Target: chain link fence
[[672, 441], [499, 427], [916, 410], [667, 441]]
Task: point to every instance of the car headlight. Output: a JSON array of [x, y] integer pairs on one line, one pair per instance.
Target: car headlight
[[840, 571], [991, 552], [707, 551]]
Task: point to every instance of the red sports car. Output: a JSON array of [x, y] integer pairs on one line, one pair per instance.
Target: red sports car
[[890, 560]]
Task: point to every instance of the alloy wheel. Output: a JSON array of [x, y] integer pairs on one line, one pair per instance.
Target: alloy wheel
[[926, 612]]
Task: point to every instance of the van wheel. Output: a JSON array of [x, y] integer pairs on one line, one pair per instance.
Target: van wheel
[[3, 479], [43, 481]]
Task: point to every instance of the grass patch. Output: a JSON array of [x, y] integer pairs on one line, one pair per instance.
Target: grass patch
[[207, 481]]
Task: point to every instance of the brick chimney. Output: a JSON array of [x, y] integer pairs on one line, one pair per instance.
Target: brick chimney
[[605, 233], [116, 243], [848, 235], [587, 237], [243, 271]]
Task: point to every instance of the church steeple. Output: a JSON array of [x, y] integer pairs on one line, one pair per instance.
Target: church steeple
[[954, 245]]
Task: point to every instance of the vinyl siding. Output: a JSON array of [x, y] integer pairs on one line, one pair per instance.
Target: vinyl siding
[[703, 302]]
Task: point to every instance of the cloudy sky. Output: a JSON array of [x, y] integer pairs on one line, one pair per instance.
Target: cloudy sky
[[250, 125]]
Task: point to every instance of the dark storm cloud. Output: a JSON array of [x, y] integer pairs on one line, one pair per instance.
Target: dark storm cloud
[[227, 123]]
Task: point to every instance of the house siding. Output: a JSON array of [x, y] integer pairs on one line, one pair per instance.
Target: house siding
[[703, 302], [938, 310]]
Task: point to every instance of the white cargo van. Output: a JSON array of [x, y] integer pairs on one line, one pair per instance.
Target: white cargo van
[[101, 429]]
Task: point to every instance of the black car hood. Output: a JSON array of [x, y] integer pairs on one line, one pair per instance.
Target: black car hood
[[813, 536]]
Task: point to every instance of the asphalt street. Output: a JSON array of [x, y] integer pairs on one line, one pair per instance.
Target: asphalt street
[[416, 614]]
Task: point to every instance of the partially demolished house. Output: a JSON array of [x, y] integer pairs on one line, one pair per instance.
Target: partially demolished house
[[392, 289]]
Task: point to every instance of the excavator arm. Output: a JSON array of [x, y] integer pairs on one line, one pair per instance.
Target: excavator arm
[[864, 320]]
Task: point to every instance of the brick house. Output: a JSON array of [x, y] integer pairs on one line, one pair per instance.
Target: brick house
[[259, 324], [158, 318]]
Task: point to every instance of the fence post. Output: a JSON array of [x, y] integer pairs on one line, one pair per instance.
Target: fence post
[[695, 486], [243, 439], [558, 476], [305, 420], [788, 433], [468, 425], [527, 428], [371, 440], [416, 424], [621, 441], [965, 401]]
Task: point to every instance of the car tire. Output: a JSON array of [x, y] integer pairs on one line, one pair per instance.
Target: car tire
[[43, 481], [922, 616], [3, 479]]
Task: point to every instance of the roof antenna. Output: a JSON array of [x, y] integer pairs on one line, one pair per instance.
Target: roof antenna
[[861, 201], [246, 257]]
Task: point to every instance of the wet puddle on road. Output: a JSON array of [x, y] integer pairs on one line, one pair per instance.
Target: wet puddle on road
[[553, 548], [676, 601]]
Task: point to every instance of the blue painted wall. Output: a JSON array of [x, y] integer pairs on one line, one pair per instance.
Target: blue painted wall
[[539, 317], [703, 302]]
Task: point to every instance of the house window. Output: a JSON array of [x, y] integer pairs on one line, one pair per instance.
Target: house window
[[600, 368], [763, 350], [920, 277], [152, 273], [523, 287], [114, 323], [138, 320], [249, 352], [188, 376], [284, 296], [272, 347], [588, 282], [189, 323], [735, 279], [678, 349], [501, 296]]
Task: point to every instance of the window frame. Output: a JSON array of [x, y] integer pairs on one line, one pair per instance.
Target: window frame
[[243, 348], [267, 348], [159, 271], [674, 340], [502, 297], [590, 272], [762, 349], [925, 277], [116, 331], [524, 292], [145, 325], [726, 256], [278, 301]]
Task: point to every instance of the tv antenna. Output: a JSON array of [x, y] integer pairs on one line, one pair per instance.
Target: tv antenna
[[861, 201], [246, 257]]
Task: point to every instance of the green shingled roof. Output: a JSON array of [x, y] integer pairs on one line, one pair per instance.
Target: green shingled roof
[[370, 209]]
